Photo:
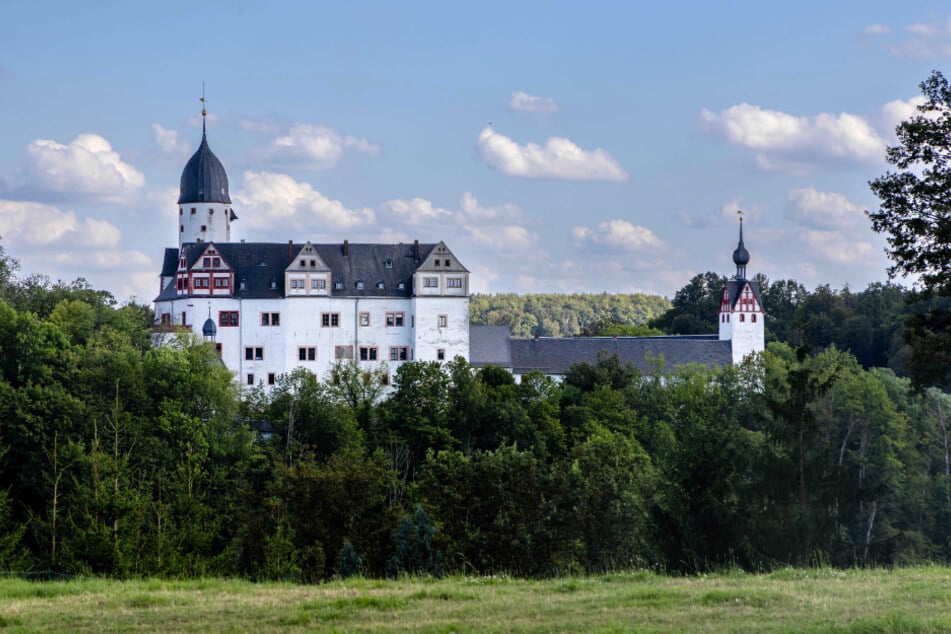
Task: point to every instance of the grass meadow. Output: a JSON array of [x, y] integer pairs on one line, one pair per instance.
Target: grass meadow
[[788, 600]]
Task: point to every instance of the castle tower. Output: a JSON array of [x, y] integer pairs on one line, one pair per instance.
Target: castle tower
[[204, 206], [741, 315]]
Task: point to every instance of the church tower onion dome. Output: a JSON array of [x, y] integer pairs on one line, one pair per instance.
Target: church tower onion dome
[[204, 179]]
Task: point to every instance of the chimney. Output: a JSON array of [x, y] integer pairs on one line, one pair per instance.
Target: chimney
[[290, 251], [416, 250], [346, 248]]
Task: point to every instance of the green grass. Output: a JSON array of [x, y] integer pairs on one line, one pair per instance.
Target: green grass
[[788, 600]]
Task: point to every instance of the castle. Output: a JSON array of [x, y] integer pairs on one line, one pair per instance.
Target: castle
[[271, 307]]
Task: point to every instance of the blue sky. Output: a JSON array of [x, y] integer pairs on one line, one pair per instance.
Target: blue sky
[[556, 147]]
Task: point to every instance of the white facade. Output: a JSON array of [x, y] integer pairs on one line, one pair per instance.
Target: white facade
[[742, 320], [204, 222]]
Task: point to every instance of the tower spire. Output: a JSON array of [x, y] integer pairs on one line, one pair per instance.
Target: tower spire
[[741, 256], [204, 112]]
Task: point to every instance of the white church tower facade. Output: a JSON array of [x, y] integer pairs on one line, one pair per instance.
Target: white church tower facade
[[741, 317]]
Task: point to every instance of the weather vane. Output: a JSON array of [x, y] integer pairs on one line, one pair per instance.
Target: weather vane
[[739, 214]]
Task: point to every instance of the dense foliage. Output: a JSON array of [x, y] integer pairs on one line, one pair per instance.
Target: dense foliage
[[559, 315], [124, 459]]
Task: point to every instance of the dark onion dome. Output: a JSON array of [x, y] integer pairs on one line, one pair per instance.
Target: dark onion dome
[[209, 329], [204, 179]]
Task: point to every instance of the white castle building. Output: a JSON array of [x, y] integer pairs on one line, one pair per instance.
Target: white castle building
[[272, 307]]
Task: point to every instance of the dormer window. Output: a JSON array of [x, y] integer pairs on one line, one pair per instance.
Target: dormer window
[[380, 285], [388, 263], [401, 286], [360, 285], [242, 285], [273, 283], [338, 286]]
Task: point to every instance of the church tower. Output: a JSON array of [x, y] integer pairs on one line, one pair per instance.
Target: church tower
[[204, 206], [741, 308]]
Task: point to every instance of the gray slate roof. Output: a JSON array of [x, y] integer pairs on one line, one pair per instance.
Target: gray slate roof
[[489, 345], [556, 355], [204, 179], [258, 263]]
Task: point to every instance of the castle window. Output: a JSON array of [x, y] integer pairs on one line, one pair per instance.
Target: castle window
[[380, 286], [754, 318], [307, 354], [166, 319], [360, 286], [180, 211], [367, 353], [216, 262], [401, 286], [206, 262], [271, 378], [270, 319], [303, 262], [242, 285], [211, 211], [253, 353], [193, 211], [388, 263], [228, 318], [313, 262], [204, 227], [318, 284], [330, 320], [441, 354], [222, 282], [454, 282], [201, 282], [399, 353], [742, 317], [437, 262], [273, 283], [218, 349], [442, 321], [338, 285], [447, 262], [343, 352], [394, 320], [250, 378], [430, 282], [364, 319], [181, 228]]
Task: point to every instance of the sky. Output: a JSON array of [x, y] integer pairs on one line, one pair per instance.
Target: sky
[[555, 147]]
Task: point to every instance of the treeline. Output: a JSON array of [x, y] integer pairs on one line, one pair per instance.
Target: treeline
[[123, 459], [562, 315]]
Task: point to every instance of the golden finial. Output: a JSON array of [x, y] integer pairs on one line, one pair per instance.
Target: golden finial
[[739, 214], [204, 112]]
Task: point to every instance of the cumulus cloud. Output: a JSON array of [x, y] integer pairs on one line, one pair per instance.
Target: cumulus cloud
[[835, 246], [40, 225], [524, 102], [415, 210], [558, 159], [469, 207], [877, 29], [278, 201], [170, 142], [618, 235], [931, 40], [86, 166], [316, 147], [788, 142], [823, 209]]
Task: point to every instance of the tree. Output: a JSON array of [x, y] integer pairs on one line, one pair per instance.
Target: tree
[[915, 213], [916, 201], [695, 307]]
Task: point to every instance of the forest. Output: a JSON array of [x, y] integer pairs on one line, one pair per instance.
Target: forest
[[123, 459]]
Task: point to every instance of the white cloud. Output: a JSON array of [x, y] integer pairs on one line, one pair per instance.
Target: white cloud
[[415, 210], [823, 209], [258, 125], [469, 206], [619, 235], [920, 40], [725, 215], [524, 102], [835, 246], [501, 237], [196, 122], [316, 147], [39, 225], [170, 142], [274, 201], [558, 159], [788, 142], [86, 166]]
